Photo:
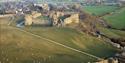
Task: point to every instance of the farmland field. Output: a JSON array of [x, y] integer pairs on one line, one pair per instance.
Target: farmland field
[[117, 19], [99, 10], [20, 47]]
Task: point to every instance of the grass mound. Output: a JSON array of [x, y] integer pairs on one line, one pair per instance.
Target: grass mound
[[20, 47]]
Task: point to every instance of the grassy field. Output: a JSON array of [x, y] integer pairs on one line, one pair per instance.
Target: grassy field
[[20, 47], [73, 39], [99, 10], [117, 20]]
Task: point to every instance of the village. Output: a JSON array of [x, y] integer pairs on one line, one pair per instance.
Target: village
[[71, 15], [54, 16], [59, 14]]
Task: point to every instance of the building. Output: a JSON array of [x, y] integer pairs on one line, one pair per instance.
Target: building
[[121, 2]]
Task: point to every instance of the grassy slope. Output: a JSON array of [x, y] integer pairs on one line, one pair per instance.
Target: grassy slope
[[74, 39], [117, 20], [99, 10], [20, 47]]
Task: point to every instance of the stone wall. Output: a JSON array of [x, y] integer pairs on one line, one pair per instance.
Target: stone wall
[[111, 60], [74, 18], [29, 18], [35, 14], [54, 15]]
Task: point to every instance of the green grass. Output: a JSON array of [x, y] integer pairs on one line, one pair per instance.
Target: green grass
[[117, 20], [99, 10], [20, 47], [74, 39]]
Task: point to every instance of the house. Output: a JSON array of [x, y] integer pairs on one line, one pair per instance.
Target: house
[[121, 2], [114, 2], [45, 7]]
